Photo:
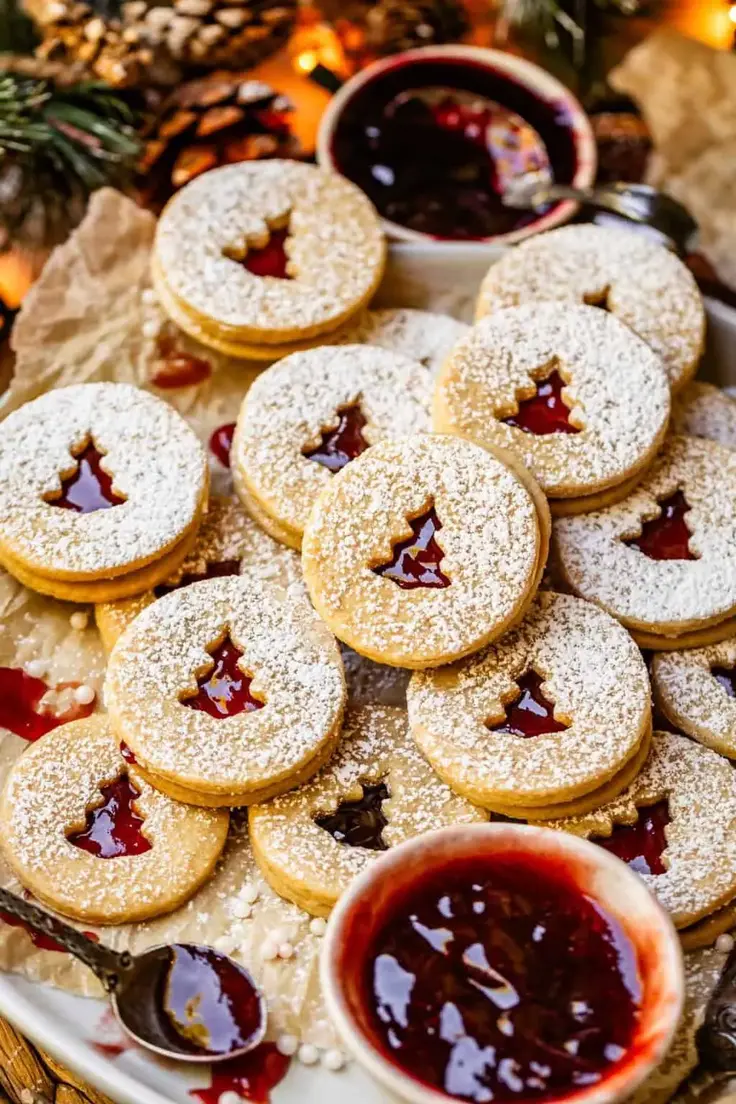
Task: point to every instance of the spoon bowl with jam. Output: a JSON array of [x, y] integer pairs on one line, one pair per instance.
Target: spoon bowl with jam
[[503, 962]]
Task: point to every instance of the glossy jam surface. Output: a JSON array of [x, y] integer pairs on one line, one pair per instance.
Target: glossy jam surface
[[434, 144], [88, 488], [667, 536], [343, 443], [20, 705], [178, 368], [221, 442], [546, 412], [497, 979], [642, 844], [214, 571], [416, 560], [114, 827], [725, 677], [251, 1077], [210, 1000], [127, 754], [38, 939], [271, 260], [225, 690], [359, 823], [531, 713]]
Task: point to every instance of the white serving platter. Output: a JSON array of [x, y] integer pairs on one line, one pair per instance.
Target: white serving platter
[[445, 277]]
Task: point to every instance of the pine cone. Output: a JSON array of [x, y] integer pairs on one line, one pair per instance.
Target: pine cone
[[395, 25], [217, 120], [145, 42]]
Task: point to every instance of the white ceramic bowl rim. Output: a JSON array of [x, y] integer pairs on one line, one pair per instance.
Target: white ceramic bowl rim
[[538, 80], [623, 895]]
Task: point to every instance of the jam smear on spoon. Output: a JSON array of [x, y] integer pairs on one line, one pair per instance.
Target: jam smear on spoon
[[88, 488], [271, 259], [221, 442], [498, 979], [225, 690], [416, 560], [20, 699], [210, 1000], [667, 536], [220, 570], [546, 412], [113, 828], [251, 1077], [531, 713], [641, 844], [725, 677], [359, 823], [343, 443]]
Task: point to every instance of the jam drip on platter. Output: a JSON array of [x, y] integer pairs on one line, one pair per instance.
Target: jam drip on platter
[[667, 536], [20, 705], [643, 843], [213, 571], [176, 367], [498, 979], [89, 487], [531, 713], [416, 560], [225, 690], [546, 411], [113, 828], [250, 1078], [342, 444], [725, 677], [359, 823], [221, 442], [271, 259]]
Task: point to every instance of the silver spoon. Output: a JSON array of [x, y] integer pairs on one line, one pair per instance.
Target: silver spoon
[[181, 984], [639, 203]]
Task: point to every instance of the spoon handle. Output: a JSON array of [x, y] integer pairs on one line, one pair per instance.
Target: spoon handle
[[109, 965]]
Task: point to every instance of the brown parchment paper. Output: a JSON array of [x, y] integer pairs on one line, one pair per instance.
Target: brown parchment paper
[[90, 317]]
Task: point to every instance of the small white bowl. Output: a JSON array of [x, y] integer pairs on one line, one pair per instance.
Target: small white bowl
[[598, 874], [537, 81]]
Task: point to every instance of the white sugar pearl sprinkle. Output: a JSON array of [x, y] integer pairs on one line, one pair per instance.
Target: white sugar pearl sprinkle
[[308, 1054], [333, 1060], [249, 893], [725, 943], [241, 909], [286, 950], [318, 926], [36, 668], [287, 1045], [269, 951], [84, 695], [79, 620], [225, 944]]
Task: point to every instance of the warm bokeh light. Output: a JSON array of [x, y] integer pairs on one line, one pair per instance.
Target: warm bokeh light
[[732, 13], [16, 276]]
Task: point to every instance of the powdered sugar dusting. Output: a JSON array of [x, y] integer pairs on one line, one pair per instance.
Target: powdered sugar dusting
[[422, 335], [693, 699], [703, 410]]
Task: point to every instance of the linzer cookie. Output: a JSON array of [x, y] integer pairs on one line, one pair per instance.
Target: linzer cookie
[[641, 282], [422, 335], [87, 835], [228, 691], [102, 489], [257, 258], [555, 715], [308, 416], [662, 561], [676, 826], [696, 692], [702, 410], [229, 542], [424, 549], [576, 395], [375, 793]]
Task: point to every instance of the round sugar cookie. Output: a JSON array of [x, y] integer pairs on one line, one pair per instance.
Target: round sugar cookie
[[422, 335], [97, 481], [548, 714], [308, 416], [228, 691], [702, 410], [640, 281], [88, 836], [424, 549], [696, 691], [376, 792], [574, 393], [211, 230], [662, 561]]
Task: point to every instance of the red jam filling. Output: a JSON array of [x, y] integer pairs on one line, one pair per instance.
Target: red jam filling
[[113, 828], [416, 560], [343, 443], [221, 442], [251, 1077], [497, 979], [127, 754], [271, 260], [359, 823], [20, 697], [213, 571], [546, 412], [531, 713], [38, 939], [642, 844], [225, 690], [725, 677], [667, 536], [210, 1001], [178, 368], [88, 488]]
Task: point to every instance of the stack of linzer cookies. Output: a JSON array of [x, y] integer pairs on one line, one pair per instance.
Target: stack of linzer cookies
[[510, 511]]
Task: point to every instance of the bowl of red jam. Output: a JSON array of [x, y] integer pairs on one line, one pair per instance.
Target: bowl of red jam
[[503, 962], [434, 136]]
